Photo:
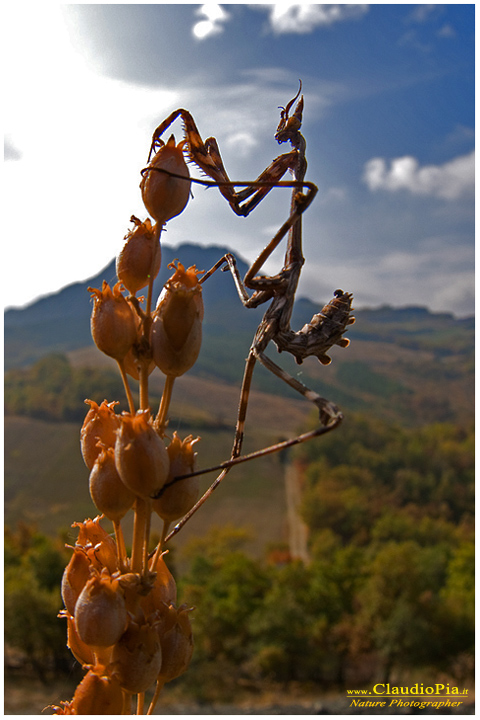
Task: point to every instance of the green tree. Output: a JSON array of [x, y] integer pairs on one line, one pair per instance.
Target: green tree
[[336, 498], [52, 389], [226, 587], [282, 627], [33, 571], [400, 608], [458, 595]]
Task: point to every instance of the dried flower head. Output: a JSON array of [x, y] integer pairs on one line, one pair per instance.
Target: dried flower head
[[165, 196], [141, 458], [98, 545], [100, 611], [90, 533], [137, 657], [111, 496], [164, 591], [179, 497], [177, 645], [177, 322], [100, 424], [82, 652], [75, 577], [98, 694], [112, 323], [141, 256]]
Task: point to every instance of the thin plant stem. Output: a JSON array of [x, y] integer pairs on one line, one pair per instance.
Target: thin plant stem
[[127, 703], [148, 522], [151, 279], [147, 324], [102, 655], [148, 309], [141, 511], [140, 703], [121, 549], [159, 549], [128, 392], [161, 419], [156, 695], [143, 386], [166, 525]]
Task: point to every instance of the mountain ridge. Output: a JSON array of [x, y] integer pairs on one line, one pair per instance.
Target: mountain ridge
[[185, 253], [402, 362], [71, 300]]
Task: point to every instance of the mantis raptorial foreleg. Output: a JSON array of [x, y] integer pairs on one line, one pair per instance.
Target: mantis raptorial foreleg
[[324, 330]]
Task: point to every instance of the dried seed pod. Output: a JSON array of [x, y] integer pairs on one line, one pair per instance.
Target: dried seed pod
[[141, 458], [100, 612], [177, 499], [165, 196], [177, 646], [75, 577], [137, 657], [135, 587], [82, 652], [104, 555], [164, 591], [111, 496], [91, 533], [100, 424], [177, 322], [141, 256], [112, 323], [98, 694], [99, 546]]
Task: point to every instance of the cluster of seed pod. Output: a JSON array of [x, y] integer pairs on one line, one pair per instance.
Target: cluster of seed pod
[[124, 625]]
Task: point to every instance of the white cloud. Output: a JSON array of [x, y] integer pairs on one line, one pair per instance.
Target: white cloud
[[412, 38], [72, 190], [80, 140], [446, 31], [242, 143], [302, 18], [212, 24], [437, 274], [461, 134], [334, 195], [451, 181], [10, 151], [75, 184], [422, 13]]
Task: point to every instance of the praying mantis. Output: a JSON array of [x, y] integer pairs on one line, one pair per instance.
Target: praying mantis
[[326, 327]]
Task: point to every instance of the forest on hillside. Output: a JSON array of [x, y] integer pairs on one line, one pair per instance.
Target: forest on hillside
[[388, 591], [390, 585]]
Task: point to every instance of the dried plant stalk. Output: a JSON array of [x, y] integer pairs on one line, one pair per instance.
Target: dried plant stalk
[[124, 625]]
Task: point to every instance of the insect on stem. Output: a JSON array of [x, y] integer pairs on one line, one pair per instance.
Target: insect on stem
[[237, 183], [325, 329]]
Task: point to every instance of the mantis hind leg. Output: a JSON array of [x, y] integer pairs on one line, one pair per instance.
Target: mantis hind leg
[[328, 411]]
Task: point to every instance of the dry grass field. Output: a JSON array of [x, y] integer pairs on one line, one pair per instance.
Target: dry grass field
[[47, 482]]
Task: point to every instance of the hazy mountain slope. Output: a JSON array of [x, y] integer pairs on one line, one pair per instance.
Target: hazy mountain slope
[[407, 364]]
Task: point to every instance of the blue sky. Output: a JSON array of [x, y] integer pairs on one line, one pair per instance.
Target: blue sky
[[388, 119]]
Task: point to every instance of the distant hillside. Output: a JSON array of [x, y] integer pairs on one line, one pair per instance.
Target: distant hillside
[[404, 364], [61, 321]]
